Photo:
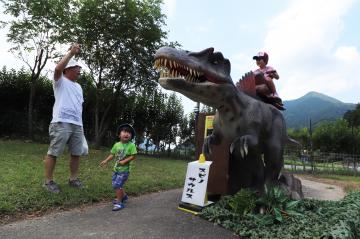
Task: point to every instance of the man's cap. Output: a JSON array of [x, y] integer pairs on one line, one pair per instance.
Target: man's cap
[[127, 126], [72, 63], [262, 55]]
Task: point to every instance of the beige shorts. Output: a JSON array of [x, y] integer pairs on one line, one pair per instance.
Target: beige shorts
[[65, 133]]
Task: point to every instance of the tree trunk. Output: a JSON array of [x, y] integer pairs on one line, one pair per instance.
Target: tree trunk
[[101, 125], [40, 62], [96, 123], [147, 145], [168, 151], [31, 109]]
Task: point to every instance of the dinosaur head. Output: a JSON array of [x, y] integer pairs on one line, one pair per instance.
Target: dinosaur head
[[197, 75]]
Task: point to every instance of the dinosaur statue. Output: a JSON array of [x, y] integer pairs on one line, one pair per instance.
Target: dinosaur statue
[[257, 130]]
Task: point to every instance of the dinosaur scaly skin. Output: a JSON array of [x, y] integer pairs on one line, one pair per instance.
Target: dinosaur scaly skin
[[254, 128]]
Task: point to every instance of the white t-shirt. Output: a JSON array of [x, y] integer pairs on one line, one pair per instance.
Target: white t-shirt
[[68, 101]]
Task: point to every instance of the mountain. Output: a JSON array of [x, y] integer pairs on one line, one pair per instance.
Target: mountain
[[315, 106]]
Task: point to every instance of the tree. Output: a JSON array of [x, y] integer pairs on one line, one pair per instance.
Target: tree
[[187, 129], [173, 115], [119, 39], [14, 89], [337, 137], [353, 116], [147, 110], [35, 30], [165, 128], [301, 135]]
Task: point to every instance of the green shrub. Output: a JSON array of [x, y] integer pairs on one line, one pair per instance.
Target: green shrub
[[242, 202], [277, 204], [313, 219]]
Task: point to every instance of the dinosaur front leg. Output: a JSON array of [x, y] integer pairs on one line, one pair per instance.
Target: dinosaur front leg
[[213, 139], [245, 171], [273, 159], [243, 143]]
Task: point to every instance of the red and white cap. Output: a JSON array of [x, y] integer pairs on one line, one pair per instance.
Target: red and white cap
[[261, 55]]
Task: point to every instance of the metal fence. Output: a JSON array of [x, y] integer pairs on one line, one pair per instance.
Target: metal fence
[[325, 162]]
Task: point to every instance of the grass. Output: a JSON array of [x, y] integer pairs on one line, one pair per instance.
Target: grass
[[22, 170], [334, 165]]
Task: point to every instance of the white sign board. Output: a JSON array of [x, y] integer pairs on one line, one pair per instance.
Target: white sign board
[[196, 183]]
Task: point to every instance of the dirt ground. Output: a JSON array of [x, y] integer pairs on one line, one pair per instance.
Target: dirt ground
[[323, 189]]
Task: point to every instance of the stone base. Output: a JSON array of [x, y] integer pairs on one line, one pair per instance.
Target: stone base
[[291, 185]]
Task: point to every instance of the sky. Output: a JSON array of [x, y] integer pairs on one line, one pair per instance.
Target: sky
[[313, 44]]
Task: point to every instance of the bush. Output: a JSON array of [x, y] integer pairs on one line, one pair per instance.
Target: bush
[[313, 219], [242, 202]]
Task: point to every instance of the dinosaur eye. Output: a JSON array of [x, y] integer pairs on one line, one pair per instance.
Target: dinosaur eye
[[215, 62]]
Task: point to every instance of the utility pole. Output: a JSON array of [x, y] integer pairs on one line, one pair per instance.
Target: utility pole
[[353, 144], [311, 148], [196, 114]]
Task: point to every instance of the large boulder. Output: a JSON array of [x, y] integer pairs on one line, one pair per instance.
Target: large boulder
[[291, 185]]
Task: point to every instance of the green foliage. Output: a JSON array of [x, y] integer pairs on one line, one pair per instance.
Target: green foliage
[[277, 206], [337, 137], [34, 30], [155, 115], [22, 174], [118, 40], [242, 202], [301, 135], [353, 116], [187, 129], [14, 97], [317, 219]]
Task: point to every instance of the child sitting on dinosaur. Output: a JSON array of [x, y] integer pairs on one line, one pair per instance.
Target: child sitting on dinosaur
[[264, 76]]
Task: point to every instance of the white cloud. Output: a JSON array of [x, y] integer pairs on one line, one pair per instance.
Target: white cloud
[[302, 44], [347, 54], [169, 7]]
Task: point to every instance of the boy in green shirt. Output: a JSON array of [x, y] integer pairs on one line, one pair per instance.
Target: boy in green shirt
[[124, 153]]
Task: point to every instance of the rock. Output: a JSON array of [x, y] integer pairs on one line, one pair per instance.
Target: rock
[[291, 185]]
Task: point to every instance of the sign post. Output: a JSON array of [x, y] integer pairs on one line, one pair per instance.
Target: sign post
[[194, 196]]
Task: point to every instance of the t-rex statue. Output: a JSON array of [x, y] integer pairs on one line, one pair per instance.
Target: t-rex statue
[[257, 130]]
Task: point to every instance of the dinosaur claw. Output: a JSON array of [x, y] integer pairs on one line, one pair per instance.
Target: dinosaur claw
[[232, 147], [246, 149], [242, 152]]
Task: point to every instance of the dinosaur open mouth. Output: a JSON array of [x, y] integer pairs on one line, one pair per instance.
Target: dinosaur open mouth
[[172, 69]]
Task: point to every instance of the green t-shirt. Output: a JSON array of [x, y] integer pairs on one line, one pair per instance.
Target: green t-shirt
[[120, 152]]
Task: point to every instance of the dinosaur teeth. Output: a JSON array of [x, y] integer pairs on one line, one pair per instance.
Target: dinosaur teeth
[[171, 68], [156, 64]]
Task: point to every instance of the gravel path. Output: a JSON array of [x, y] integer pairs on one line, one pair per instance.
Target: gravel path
[[321, 191]]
